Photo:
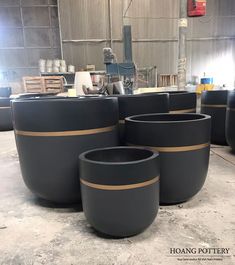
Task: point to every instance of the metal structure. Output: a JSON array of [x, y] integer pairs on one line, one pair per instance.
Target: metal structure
[[125, 71], [182, 60]]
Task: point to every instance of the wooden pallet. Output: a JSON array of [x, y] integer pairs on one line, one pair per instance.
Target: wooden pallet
[[43, 84], [167, 80]]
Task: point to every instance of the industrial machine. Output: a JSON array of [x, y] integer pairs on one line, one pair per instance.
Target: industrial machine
[[126, 71]]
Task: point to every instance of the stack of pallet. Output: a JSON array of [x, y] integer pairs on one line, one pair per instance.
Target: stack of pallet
[[43, 84]]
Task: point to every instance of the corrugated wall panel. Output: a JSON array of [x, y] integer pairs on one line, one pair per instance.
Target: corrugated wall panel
[[152, 19]]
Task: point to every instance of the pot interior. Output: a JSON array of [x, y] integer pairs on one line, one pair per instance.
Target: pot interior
[[122, 155], [168, 117]]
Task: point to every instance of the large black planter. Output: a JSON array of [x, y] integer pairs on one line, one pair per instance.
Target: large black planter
[[182, 102], [50, 135], [230, 120], [5, 115], [120, 189], [130, 105], [183, 141], [214, 103]]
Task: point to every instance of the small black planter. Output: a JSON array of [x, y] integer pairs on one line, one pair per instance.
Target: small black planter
[[183, 143], [5, 92], [120, 189], [50, 135], [130, 105], [214, 103], [182, 102], [230, 120], [5, 115]]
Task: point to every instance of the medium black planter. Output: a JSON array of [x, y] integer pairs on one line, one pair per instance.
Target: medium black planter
[[182, 102], [183, 141], [120, 189], [130, 105], [5, 115], [214, 103], [230, 120], [5, 92], [50, 135]]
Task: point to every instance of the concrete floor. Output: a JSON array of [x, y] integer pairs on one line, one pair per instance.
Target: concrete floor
[[34, 232]]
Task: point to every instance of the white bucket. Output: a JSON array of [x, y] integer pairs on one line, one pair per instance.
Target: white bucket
[[82, 78]]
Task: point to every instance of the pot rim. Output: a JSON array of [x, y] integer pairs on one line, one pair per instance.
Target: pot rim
[[138, 95], [203, 117], [59, 99], [216, 91], [153, 155], [170, 92]]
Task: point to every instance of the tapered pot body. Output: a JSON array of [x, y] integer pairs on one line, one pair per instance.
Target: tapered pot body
[[214, 103], [230, 120], [120, 189], [5, 115], [183, 141], [130, 105], [50, 135]]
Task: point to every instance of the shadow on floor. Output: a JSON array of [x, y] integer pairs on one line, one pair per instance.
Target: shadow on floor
[[74, 207]]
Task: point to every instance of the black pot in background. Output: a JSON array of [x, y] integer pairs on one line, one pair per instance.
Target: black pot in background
[[230, 120], [5, 92], [130, 105], [182, 102], [5, 115], [52, 132], [183, 141], [214, 103], [120, 189]]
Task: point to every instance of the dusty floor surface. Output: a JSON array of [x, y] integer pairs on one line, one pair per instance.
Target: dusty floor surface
[[34, 232]]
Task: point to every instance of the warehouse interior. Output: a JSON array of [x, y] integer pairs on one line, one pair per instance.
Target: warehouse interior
[[117, 132]]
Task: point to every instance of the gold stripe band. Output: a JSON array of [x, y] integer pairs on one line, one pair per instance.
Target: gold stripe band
[[121, 121], [119, 187], [66, 133], [183, 111], [5, 107], [213, 106], [177, 148]]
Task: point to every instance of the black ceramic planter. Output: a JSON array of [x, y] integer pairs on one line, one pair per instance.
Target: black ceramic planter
[[182, 102], [5, 115], [183, 141], [230, 120], [130, 105], [214, 103], [120, 189], [50, 135]]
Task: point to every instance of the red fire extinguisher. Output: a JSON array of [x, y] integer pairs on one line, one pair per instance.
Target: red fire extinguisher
[[196, 8]]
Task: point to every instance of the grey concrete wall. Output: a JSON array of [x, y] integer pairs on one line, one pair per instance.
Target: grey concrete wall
[[210, 46], [29, 30]]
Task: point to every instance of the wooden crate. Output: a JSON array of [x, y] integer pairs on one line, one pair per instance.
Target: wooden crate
[[53, 84], [33, 84], [167, 80], [43, 84]]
